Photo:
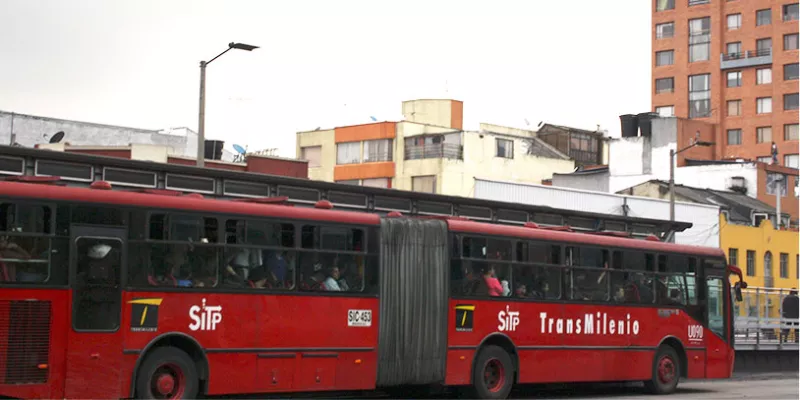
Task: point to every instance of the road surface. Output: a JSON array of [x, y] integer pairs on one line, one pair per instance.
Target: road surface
[[755, 387]]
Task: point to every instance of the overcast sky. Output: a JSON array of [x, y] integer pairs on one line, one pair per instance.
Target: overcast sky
[[323, 63]]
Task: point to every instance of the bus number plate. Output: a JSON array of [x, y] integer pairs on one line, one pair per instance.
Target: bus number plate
[[359, 318]]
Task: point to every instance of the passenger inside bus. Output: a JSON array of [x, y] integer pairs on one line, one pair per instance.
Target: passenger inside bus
[[334, 282], [257, 278]]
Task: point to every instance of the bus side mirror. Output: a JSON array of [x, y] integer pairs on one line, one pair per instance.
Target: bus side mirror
[[738, 290]]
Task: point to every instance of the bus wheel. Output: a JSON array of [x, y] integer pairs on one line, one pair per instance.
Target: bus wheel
[[666, 371], [167, 373], [493, 375]]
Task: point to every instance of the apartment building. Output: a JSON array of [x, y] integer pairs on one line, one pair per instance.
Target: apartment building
[[733, 63], [429, 151]]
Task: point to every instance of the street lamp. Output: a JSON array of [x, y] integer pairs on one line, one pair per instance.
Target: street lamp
[[672, 154], [201, 125]]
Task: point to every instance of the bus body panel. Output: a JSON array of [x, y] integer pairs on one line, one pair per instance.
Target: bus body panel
[[273, 342], [554, 343], [54, 336]]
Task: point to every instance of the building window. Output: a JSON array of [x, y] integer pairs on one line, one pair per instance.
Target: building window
[[776, 180], [764, 159], [751, 263], [665, 85], [764, 17], [734, 137], [733, 256], [698, 2], [377, 182], [425, 184], [790, 101], [699, 39], [312, 154], [348, 153], [790, 72], [763, 46], [665, 57], [791, 161], [764, 134], [763, 76], [790, 12], [665, 111], [378, 150], [734, 21], [790, 41], [734, 50], [433, 146], [734, 79], [764, 105], [768, 269], [664, 5], [734, 108], [354, 182], [665, 30], [699, 96], [791, 132], [504, 148]]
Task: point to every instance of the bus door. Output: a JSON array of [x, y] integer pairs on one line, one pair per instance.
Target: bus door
[[718, 309], [94, 345]]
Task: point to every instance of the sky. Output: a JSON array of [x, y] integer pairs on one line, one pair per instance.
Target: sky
[[324, 63]]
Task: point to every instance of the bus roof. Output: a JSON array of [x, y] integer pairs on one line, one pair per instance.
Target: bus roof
[[185, 202], [465, 226]]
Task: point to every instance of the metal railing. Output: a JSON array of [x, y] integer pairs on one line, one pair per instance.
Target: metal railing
[[759, 323], [746, 54], [443, 150]]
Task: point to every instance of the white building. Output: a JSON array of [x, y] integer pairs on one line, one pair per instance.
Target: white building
[[30, 130], [704, 218]]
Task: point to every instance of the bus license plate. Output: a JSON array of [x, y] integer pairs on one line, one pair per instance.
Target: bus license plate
[[359, 318]]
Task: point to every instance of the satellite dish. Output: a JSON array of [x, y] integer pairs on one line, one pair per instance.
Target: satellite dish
[[238, 149], [57, 137], [373, 118]]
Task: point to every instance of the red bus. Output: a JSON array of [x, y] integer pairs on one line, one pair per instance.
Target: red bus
[[107, 293]]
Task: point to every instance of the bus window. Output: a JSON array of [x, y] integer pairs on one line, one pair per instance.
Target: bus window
[[474, 247], [183, 227], [25, 218], [183, 264], [95, 215], [538, 253], [25, 246], [662, 263], [536, 282]]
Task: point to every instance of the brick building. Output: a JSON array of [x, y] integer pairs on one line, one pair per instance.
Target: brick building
[[732, 63]]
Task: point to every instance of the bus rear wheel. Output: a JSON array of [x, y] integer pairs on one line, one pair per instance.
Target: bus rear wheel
[[493, 374], [167, 373], [666, 371]]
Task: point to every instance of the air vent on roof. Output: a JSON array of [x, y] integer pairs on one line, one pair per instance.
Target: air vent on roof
[[738, 184]]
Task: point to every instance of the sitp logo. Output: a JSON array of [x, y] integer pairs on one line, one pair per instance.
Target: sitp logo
[[508, 320], [464, 316], [144, 314], [205, 318]]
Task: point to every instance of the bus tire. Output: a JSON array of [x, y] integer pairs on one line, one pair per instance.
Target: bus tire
[[493, 374], [167, 373], [666, 371]]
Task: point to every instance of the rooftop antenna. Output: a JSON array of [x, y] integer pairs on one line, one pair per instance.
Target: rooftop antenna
[[242, 151]]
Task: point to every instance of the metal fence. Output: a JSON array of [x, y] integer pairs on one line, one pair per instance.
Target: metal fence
[[760, 324]]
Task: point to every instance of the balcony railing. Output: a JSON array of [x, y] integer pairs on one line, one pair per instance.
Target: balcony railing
[[443, 150], [747, 58], [378, 156]]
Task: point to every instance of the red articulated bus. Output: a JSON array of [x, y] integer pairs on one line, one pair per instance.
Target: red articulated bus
[[107, 293]]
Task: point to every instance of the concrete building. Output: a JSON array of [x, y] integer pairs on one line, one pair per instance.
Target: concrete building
[[30, 130], [734, 64], [637, 159], [428, 152], [703, 217], [259, 164], [586, 147]]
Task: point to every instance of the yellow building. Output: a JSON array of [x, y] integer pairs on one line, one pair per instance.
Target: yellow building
[[429, 151], [767, 256]]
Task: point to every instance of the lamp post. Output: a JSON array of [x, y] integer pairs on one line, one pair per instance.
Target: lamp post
[[201, 125], [672, 154]]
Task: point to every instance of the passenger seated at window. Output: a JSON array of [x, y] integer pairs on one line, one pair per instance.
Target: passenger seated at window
[[493, 285], [619, 294], [541, 290], [240, 262], [178, 265], [207, 275], [257, 278], [333, 282], [521, 291], [506, 288], [277, 265]]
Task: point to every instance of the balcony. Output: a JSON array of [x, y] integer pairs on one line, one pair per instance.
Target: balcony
[[439, 150], [749, 58]]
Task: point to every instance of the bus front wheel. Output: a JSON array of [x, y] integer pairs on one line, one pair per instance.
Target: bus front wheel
[[167, 373], [493, 374], [666, 371]]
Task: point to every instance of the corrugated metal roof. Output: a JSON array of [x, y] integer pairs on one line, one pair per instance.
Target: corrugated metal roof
[[740, 206]]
